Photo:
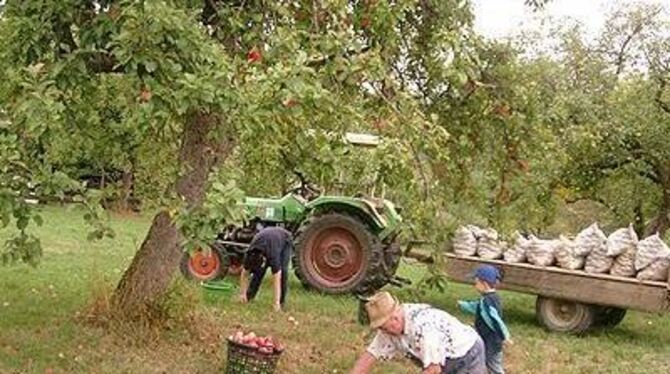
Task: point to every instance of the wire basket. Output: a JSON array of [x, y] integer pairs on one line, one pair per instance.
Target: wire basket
[[243, 360]]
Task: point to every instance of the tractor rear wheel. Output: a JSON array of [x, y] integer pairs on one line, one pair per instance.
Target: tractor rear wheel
[[391, 262], [203, 265], [336, 253], [392, 256]]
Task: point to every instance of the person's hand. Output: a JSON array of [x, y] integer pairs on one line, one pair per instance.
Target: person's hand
[[508, 342], [243, 298], [276, 307], [432, 369]]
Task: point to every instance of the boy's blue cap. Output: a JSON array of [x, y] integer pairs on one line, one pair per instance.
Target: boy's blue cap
[[487, 273]]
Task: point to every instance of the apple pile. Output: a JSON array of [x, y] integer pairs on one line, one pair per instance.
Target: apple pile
[[264, 344]]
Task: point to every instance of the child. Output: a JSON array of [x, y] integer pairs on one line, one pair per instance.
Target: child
[[488, 316]]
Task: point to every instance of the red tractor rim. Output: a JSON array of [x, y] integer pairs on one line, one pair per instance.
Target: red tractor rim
[[335, 257], [204, 264]]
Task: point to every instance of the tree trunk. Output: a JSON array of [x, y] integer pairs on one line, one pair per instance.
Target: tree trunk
[[123, 204], [661, 222], [638, 223], [151, 270]]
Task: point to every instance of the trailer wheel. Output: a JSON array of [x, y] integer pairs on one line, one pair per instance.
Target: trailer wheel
[[607, 316], [564, 315]]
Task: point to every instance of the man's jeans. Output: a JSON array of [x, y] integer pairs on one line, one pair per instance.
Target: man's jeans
[[258, 274], [474, 362]]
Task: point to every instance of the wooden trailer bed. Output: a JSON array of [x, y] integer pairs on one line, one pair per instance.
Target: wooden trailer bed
[[574, 285], [567, 300]]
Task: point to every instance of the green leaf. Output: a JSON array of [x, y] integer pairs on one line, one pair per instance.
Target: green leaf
[[150, 66], [22, 222]]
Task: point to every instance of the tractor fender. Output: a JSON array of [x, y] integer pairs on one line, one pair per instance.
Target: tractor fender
[[360, 208]]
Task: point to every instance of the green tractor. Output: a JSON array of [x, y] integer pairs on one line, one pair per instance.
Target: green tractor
[[342, 244]]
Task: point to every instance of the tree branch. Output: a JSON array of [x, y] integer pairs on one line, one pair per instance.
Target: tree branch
[[659, 96], [209, 12], [616, 164], [621, 56], [595, 199], [103, 62], [319, 62], [652, 176], [65, 42], [422, 173]]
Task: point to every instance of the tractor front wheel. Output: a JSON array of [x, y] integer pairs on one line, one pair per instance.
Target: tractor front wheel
[[336, 253]]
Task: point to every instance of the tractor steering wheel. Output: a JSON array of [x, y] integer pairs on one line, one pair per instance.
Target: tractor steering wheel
[[305, 189]]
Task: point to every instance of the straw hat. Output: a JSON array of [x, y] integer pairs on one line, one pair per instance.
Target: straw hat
[[380, 307]]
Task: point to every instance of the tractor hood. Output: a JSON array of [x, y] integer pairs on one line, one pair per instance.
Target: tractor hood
[[289, 208], [379, 213]]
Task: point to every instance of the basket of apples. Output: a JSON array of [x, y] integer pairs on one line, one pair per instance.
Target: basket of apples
[[248, 353]]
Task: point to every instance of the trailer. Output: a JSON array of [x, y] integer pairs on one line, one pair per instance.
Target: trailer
[[566, 300], [570, 300]]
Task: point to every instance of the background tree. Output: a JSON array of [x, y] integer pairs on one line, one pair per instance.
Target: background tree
[[203, 76], [615, 156], [149, 47], [197, 101]]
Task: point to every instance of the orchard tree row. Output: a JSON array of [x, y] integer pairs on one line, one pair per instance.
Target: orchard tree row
[[185, 106]]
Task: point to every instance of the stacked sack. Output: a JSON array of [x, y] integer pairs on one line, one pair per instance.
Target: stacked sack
[[652, 260], [594, 240], [542, 252], [517, 252], [622, 246], [465, 241], [471, 240], [621, 253], [570, 255], [489, 246]]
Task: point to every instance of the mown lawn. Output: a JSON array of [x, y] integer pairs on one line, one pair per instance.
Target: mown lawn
[[44, 321]]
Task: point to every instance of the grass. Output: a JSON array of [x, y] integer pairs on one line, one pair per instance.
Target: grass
[[43, 314]]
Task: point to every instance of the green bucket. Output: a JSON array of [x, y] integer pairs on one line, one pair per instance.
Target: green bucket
[[218, 290]]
